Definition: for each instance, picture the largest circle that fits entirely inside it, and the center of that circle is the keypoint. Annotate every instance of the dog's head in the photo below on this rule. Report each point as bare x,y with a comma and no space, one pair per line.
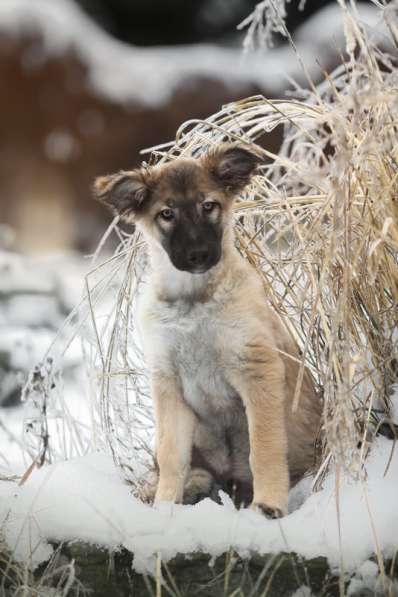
184,205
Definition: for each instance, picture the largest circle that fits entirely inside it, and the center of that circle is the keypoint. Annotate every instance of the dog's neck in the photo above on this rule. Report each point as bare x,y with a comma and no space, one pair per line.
171,284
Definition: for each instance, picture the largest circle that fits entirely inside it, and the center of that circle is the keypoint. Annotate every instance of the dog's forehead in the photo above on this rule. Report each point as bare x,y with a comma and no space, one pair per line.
183,178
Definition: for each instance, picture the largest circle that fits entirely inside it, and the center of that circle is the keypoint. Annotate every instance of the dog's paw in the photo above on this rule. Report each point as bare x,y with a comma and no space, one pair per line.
267,511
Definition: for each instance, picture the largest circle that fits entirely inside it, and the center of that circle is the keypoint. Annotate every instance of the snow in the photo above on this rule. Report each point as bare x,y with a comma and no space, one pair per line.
17,276
302,592
124,73
368,579
58,275
35,295
24,349
102,511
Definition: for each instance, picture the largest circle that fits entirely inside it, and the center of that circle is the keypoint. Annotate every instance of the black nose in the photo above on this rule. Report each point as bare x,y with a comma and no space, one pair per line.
197,257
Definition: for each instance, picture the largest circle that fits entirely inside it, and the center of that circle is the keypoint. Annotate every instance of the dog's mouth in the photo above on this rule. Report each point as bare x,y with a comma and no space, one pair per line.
199,270
196,261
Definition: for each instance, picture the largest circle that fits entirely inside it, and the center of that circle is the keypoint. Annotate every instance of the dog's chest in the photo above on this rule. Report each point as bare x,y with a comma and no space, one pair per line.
198,346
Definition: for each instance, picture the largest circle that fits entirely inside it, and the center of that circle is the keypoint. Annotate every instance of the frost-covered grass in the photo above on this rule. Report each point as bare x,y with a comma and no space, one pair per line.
57,579
320,226
36,293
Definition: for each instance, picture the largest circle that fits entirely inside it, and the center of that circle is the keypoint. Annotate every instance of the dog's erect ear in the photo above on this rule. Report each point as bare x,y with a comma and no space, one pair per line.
232,166
125,193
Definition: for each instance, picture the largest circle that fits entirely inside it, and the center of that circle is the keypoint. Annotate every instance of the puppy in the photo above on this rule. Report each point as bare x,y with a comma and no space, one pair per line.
223,369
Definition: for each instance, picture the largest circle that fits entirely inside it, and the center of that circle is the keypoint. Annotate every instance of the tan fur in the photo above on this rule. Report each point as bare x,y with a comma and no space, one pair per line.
174,436
212,343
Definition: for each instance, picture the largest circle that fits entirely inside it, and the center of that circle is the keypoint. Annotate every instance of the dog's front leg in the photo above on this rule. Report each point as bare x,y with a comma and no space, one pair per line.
261,385
175,423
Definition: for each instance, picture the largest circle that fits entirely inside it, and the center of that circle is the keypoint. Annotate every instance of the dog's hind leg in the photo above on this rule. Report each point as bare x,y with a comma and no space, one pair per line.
198,485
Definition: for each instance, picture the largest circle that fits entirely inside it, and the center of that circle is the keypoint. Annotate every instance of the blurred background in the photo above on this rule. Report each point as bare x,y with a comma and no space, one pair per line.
88,84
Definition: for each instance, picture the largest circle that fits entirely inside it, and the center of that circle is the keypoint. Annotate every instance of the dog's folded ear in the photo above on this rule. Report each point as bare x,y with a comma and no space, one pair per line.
232,165
125,193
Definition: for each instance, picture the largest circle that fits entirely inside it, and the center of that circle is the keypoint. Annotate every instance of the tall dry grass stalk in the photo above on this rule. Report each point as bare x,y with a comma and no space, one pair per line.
320,225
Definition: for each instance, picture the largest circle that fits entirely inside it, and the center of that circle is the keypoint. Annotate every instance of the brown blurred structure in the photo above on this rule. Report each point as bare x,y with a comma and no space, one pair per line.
57,134
63,121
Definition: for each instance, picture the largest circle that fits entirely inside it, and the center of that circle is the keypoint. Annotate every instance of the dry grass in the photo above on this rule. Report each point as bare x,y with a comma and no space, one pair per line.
320,226
57,577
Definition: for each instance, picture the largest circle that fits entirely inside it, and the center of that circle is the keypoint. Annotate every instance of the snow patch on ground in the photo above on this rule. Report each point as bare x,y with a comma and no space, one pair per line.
150,76
35,295
302,592
368,581
101,509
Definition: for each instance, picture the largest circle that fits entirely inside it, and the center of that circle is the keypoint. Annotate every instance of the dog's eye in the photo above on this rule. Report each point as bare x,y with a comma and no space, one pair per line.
208,206
167,214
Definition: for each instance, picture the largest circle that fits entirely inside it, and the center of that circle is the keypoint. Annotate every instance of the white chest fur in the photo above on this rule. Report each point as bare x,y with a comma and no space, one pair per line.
195,341
193,327
190,340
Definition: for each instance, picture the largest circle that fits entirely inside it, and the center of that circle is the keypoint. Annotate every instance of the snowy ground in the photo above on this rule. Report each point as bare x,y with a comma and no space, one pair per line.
101,510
